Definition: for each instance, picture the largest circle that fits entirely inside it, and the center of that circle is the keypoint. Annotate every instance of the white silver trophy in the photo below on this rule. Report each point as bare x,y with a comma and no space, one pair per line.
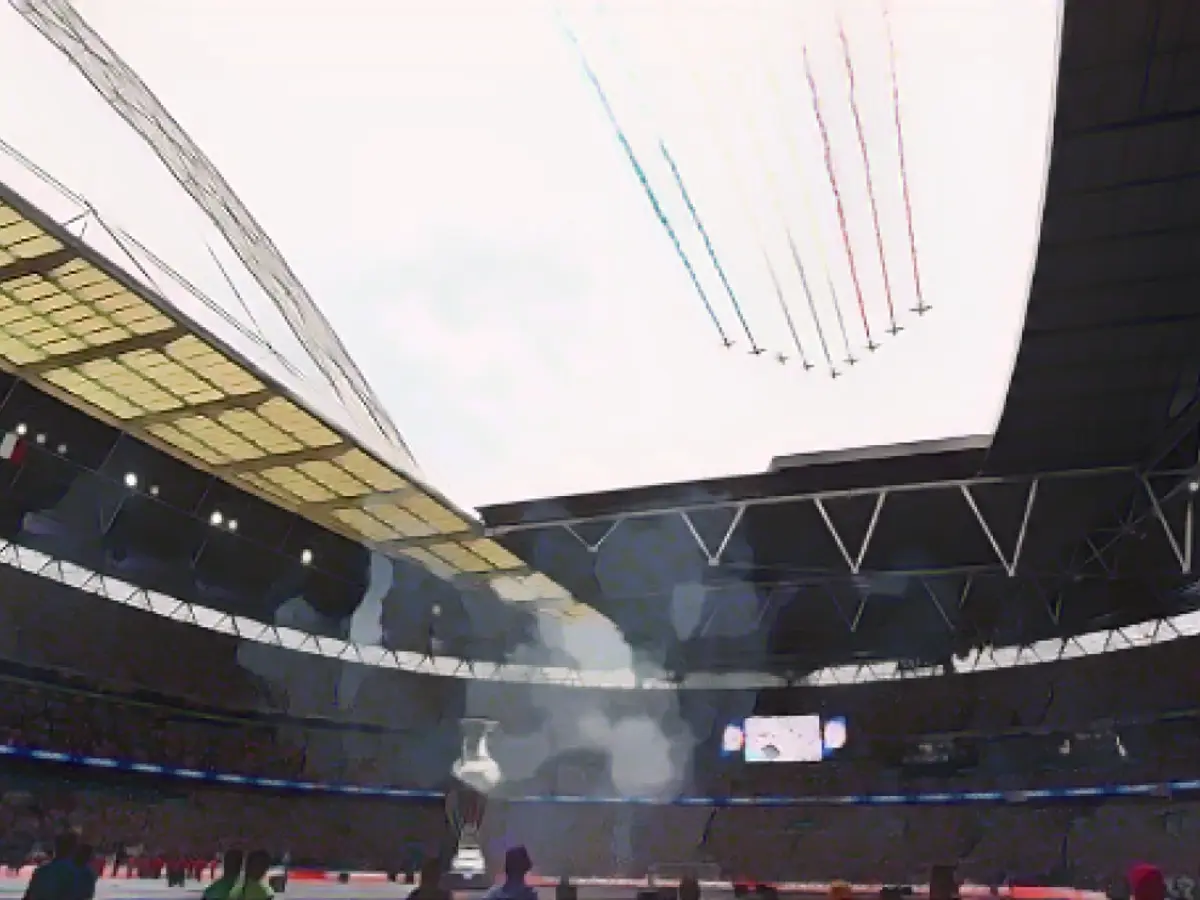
476,775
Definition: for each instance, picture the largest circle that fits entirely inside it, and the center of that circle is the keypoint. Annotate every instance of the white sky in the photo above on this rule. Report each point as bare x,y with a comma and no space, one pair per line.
443,179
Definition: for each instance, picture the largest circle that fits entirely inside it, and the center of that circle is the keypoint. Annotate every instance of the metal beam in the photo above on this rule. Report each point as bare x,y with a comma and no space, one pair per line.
1183,554
1010,563
667,509
713,556
854,562
428,540
362,501
153,341
592,547
37,265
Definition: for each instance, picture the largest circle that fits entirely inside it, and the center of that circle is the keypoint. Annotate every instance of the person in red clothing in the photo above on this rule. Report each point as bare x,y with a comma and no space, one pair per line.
1146,882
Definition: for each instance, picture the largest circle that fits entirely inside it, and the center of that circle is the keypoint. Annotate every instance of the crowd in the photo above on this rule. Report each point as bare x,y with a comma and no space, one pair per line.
68,716
74,868
86,691
99,724
141,829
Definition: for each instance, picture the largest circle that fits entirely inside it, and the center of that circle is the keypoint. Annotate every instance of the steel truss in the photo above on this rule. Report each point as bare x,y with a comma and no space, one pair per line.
853,548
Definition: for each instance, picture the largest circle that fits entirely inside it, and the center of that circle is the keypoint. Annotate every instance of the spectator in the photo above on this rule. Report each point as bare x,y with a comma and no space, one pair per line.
254,886
61,878
430,887
517,865
1147,883
231,871
84,857
689,888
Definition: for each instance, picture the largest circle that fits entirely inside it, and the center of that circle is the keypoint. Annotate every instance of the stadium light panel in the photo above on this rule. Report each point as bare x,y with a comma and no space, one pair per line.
61,449
22,429
233,525
86,333
40,438
306,557
216,518
131,480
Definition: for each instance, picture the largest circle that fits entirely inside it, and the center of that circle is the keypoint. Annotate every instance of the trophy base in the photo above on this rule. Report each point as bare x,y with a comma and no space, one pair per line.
468,870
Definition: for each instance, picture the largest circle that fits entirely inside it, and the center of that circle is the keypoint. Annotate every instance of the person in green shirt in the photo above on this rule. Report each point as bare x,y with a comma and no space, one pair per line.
254,886
231,871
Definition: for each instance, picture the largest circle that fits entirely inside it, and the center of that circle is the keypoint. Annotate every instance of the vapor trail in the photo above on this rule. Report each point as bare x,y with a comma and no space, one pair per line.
866,158
921,308
623,140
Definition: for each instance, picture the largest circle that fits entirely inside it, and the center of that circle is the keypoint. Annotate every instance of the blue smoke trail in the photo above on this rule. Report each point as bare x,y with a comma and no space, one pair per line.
641,175
708,244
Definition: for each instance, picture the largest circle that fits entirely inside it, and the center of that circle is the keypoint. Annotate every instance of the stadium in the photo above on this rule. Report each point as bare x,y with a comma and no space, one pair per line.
236,614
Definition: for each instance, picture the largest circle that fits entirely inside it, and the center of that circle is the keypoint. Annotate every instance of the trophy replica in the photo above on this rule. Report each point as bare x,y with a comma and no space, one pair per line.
476,774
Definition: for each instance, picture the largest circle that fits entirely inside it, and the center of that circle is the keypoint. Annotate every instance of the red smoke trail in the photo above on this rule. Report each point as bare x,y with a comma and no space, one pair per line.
862,146
837,196
921,308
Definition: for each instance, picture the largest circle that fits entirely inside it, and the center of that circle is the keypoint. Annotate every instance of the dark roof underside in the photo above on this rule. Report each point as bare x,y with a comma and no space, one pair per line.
1112,335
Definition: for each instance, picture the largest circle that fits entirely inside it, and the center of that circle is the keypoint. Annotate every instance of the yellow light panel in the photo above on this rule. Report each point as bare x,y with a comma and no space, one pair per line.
405,524
296,483
89,391
364,468
334,478
434,564
24,240
303,427
259,431
494,554
370,528
181,440
460,558
230,378
434,513
178,381
77,308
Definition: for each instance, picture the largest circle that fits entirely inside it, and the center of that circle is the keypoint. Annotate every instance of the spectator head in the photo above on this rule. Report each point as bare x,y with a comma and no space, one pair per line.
258,863
231,863
1147,883
431,872
689,888
840,890
65,844
84,853
517,863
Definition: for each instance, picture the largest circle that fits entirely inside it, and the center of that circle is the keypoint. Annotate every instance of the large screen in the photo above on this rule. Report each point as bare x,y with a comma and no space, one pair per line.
786,739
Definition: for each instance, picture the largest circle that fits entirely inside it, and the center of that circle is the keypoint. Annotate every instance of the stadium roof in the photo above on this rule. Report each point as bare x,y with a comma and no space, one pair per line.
1108,354
1079,512
76,326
